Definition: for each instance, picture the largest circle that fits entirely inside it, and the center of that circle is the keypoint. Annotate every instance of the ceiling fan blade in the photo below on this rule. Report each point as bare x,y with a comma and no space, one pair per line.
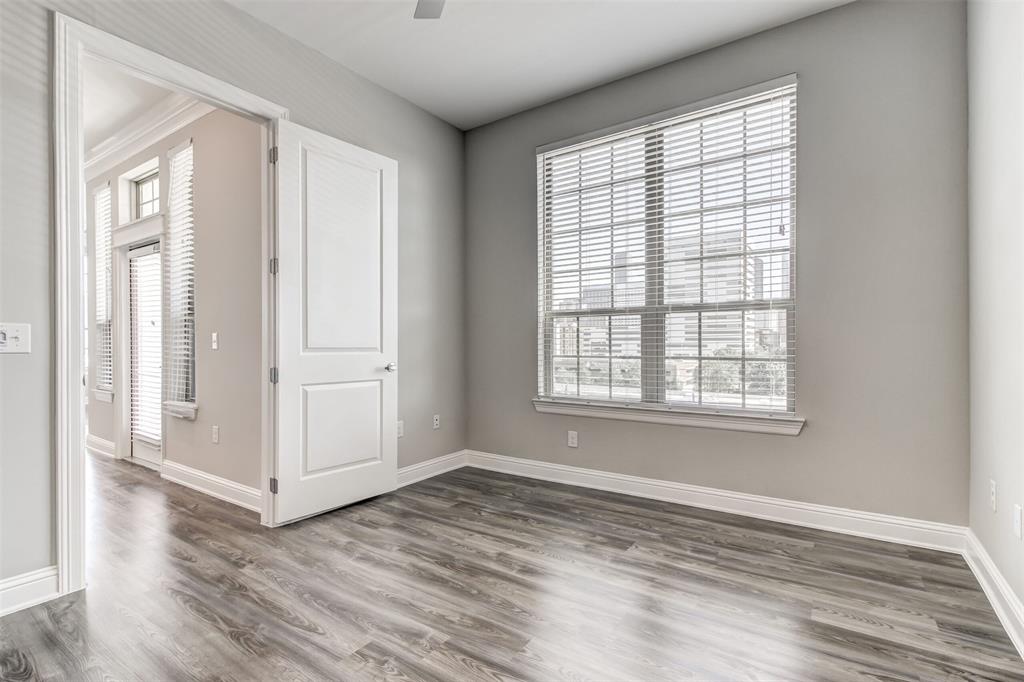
428,9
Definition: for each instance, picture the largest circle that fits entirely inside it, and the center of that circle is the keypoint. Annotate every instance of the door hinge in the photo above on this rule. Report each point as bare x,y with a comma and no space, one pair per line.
273,266
272,153
273,486
273,375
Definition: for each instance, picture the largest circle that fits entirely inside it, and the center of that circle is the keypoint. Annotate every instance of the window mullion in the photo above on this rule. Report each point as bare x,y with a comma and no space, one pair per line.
652,324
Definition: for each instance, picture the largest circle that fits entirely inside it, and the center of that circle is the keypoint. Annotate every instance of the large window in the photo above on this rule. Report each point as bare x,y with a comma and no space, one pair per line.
179,268
666,261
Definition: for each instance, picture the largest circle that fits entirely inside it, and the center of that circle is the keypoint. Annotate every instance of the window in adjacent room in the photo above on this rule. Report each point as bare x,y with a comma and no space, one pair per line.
147,195
666,261
179,268
102,218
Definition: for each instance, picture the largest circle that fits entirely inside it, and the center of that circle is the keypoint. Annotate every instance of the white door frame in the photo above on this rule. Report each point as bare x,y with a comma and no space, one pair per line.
72,41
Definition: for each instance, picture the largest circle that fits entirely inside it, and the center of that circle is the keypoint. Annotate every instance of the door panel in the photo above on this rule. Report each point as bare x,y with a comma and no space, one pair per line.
337,223
341,192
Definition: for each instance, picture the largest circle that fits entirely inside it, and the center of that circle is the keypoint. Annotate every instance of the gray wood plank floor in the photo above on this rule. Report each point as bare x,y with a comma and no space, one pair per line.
475,575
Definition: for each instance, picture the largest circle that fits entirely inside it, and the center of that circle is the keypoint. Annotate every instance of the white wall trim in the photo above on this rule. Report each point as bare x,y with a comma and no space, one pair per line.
166,117
782,425
432,467
214,486
1007,605
99,446
28,589
927,534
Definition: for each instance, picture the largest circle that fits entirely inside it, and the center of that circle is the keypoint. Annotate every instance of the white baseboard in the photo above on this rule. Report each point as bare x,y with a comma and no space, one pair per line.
431,467
1007,605
215,486
99,446
28,589
927,534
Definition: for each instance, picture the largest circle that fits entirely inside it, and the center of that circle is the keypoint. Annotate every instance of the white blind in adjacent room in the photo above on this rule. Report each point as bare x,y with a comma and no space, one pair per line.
179,269
104,281
666,260
146,345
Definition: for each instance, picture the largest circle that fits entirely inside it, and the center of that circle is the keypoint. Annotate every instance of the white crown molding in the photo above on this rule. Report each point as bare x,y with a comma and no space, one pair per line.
166,117
28,589
214,486
1007,605
99,446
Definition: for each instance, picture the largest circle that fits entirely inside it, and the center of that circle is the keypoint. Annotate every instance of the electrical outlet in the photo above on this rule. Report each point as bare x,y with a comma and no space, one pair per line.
992,495
214,342
215,434
437,421
1018,520
573,439
401,428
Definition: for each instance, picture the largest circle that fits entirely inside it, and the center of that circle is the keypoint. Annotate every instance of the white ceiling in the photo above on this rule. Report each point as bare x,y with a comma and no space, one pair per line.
112,99
486,59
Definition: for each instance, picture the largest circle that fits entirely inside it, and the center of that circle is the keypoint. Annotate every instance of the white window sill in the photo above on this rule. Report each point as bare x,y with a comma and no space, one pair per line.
786,425
102,395
181,410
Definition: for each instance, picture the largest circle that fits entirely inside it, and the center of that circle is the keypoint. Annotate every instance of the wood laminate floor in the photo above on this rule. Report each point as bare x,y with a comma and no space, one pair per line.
475,575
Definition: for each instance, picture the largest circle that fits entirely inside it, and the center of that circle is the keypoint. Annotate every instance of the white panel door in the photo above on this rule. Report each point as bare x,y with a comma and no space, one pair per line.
337,309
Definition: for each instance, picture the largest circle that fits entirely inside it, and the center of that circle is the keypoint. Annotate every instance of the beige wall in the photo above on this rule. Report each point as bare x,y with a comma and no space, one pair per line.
228,273
996,73
881,269
227,44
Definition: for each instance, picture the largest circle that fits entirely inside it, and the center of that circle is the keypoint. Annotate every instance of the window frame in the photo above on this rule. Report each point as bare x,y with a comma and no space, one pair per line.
653,406
150,178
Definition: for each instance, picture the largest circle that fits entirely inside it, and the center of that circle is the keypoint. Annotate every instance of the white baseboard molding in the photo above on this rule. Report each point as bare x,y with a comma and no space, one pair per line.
430,468
99,446
28,589
1007,605
927,534
214,486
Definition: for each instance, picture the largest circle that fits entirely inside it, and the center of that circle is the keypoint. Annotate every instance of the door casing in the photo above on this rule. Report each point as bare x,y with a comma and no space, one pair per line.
72,42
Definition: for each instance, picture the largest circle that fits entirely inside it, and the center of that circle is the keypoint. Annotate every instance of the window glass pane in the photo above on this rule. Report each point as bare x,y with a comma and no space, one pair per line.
594,336
722,334
564,379
682,332
766,385
626,380
594,378
681,381
765,333
723,280
720,382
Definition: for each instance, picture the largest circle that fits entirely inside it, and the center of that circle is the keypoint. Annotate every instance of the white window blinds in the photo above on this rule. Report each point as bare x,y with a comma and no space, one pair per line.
179,269
666,261
146,343
104,376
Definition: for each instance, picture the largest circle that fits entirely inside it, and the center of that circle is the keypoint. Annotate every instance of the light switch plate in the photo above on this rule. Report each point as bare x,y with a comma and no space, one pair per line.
1018,521
214,341
15,337
401,428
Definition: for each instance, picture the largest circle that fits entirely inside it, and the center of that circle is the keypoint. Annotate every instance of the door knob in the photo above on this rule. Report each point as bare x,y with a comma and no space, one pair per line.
390,367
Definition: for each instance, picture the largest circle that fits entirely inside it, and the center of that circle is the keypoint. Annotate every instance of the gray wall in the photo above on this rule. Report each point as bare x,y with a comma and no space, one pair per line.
881,283
228,271
995,64
230,45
